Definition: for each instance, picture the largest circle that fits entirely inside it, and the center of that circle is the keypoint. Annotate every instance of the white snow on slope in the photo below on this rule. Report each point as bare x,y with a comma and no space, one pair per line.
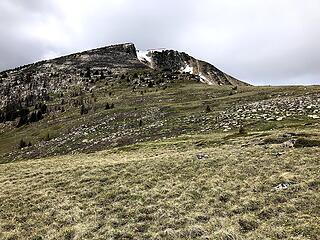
204,79
144,56
188,69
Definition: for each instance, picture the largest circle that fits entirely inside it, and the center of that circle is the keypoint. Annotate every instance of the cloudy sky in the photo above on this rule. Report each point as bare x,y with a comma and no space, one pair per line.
259,41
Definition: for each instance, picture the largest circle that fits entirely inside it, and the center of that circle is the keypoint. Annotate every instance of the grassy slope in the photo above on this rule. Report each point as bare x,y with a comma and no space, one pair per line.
177,110
158,189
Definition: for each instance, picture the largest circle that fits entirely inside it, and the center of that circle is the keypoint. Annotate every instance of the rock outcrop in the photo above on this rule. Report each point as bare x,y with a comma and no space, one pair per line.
163,59
26,85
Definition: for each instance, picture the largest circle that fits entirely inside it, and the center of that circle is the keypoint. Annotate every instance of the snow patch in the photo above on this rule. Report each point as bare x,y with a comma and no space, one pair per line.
144,56
204,79
187,69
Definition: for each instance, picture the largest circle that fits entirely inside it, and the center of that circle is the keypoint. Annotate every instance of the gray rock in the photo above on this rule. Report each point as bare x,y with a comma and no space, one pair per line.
202,156
282,186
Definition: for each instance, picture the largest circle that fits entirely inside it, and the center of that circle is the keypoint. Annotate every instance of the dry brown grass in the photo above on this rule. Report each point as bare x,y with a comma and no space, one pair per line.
160,190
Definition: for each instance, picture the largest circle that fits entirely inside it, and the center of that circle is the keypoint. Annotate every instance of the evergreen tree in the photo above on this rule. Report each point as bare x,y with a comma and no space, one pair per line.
22,144
33,117
24,117
83,110
88,73
102,75
39,115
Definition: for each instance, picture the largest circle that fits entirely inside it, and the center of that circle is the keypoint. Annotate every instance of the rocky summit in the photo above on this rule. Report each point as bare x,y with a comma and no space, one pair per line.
35,81
163,59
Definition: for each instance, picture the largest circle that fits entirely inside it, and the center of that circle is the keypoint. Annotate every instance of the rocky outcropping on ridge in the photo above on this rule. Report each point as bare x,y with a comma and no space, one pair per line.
163,59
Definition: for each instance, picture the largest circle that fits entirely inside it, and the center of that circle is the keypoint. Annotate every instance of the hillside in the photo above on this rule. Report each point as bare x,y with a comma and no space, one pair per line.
36,82
133,151
85,84
163,59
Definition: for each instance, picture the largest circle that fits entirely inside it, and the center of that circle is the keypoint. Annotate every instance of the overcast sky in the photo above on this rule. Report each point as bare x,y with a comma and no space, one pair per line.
259,41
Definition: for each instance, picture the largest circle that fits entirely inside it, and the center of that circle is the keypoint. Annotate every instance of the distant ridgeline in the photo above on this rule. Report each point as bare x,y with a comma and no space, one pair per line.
25,91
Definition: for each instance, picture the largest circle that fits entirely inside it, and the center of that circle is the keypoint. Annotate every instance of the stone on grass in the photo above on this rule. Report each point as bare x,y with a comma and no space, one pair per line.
282,186
202,156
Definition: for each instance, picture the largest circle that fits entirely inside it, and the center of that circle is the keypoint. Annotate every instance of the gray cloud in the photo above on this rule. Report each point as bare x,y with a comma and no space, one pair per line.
262,42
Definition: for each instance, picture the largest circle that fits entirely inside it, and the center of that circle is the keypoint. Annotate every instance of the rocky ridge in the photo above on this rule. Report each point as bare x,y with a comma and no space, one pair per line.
163,59
35,82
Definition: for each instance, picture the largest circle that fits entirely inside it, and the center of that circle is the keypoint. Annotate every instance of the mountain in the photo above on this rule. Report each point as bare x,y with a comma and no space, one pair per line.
122,58
115,143
162,59
36,81
26,85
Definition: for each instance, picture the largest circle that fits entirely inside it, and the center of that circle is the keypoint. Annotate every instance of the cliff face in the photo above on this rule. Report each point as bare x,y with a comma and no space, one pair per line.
34,82
182,62
119,58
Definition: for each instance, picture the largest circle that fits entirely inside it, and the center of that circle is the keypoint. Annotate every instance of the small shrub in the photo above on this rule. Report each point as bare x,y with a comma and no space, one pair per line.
33,117
247,224
39,115
37,238
102,75
242,130
5,75
43,107
225,197
88,73
304,142
23,144
47,137
83,110
24,117
22,121
208,109
273,140
68,234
